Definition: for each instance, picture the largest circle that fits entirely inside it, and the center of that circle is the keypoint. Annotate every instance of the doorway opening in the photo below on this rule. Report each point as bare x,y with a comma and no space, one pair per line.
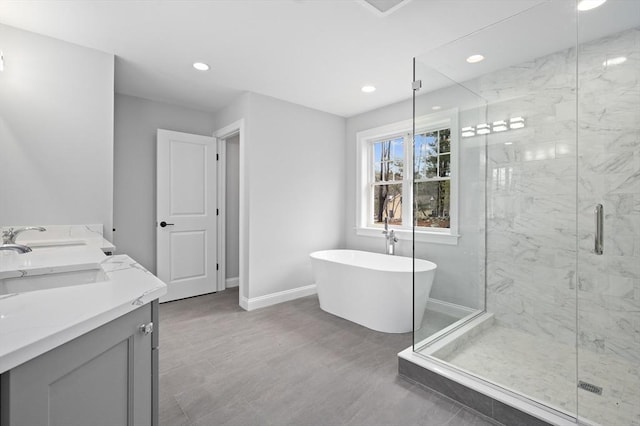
233,218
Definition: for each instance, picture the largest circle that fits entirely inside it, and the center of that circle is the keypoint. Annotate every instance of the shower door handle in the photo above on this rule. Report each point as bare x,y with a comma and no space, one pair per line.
599,246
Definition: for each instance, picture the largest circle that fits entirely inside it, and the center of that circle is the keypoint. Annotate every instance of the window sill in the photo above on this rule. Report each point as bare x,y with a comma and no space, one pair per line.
407,234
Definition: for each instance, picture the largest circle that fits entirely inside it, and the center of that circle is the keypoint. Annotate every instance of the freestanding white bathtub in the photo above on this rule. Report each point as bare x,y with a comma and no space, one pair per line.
373,289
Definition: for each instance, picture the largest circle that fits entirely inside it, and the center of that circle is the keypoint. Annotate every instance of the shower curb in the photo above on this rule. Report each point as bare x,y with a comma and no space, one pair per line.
484,404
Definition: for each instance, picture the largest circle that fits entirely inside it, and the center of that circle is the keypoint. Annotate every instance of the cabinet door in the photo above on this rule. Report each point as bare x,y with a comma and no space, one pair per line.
100,378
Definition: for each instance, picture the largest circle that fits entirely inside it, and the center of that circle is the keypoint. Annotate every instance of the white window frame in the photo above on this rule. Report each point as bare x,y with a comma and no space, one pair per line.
364,158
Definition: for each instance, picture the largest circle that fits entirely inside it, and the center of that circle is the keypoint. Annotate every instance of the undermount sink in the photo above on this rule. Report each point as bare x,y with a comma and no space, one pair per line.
52,280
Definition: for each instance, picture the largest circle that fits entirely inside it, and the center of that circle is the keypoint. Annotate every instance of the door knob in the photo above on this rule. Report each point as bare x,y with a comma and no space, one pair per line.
163,224
146,329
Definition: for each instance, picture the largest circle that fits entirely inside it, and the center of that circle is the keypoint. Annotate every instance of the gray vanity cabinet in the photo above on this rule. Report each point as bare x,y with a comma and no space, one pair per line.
101,378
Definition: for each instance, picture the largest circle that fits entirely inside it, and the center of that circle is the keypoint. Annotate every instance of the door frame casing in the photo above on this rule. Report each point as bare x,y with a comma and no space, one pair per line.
221,163
235,128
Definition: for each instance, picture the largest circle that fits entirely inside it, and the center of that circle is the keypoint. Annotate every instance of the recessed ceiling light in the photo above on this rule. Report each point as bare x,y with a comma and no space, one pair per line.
614,61
436,107
584,5
368,89
475,58
201,66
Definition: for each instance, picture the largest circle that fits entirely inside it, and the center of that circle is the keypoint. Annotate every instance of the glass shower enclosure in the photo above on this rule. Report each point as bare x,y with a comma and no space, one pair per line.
539,294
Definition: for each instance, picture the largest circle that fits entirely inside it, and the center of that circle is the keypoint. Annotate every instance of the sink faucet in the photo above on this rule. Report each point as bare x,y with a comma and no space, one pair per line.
9,236
390,237
16,247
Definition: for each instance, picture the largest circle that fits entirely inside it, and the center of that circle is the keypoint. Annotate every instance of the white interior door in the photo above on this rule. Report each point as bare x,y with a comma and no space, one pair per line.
186,214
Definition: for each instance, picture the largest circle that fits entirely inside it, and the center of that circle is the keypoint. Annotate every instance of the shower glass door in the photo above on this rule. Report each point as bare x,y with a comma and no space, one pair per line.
517,205
537,289
608,161
448,198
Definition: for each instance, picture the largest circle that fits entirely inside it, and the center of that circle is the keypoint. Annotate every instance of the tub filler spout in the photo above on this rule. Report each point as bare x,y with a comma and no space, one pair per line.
390,238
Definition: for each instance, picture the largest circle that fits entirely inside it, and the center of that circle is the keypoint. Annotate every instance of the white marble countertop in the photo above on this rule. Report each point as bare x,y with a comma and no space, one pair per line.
65,236
97,241
35,322
49,259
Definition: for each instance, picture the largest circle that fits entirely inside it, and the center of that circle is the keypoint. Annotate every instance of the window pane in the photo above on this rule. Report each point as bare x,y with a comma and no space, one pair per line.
445,165
425,155
426,167
388,171
395,170
445,140
388,160
382,151
377,152
387,202
431,204
386,150
397,147
380,166
426,144
432,141
377,171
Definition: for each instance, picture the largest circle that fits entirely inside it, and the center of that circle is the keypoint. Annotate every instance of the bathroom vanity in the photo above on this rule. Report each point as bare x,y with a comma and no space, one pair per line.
78,338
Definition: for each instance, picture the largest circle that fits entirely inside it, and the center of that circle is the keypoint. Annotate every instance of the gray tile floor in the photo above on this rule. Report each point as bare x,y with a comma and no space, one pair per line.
289,364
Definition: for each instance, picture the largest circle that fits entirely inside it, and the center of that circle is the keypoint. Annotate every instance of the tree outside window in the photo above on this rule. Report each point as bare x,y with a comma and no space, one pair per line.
388,159
432,179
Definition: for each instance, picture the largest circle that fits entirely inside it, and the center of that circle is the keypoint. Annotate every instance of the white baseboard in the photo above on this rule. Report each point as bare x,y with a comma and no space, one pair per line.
275,298
451,309
232,282
244,303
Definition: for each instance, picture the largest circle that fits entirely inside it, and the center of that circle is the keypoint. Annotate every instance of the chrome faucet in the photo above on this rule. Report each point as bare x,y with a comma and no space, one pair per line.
16,247
390,237
9,236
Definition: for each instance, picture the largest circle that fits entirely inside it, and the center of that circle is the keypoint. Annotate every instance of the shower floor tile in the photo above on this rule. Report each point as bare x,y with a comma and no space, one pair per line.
545,371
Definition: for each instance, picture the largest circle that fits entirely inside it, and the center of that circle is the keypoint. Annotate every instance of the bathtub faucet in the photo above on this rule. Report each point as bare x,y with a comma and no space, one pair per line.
390,238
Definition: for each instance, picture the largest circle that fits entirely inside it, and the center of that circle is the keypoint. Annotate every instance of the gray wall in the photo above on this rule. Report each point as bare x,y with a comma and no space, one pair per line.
236,110
297,178
56,132
136,123
294,189
232,202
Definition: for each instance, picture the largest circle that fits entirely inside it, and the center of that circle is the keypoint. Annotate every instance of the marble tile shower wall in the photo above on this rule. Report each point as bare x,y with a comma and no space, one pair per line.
609,173
531,197
533,268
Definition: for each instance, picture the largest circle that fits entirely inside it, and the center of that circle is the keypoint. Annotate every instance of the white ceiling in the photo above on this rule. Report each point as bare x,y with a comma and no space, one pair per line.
316,53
